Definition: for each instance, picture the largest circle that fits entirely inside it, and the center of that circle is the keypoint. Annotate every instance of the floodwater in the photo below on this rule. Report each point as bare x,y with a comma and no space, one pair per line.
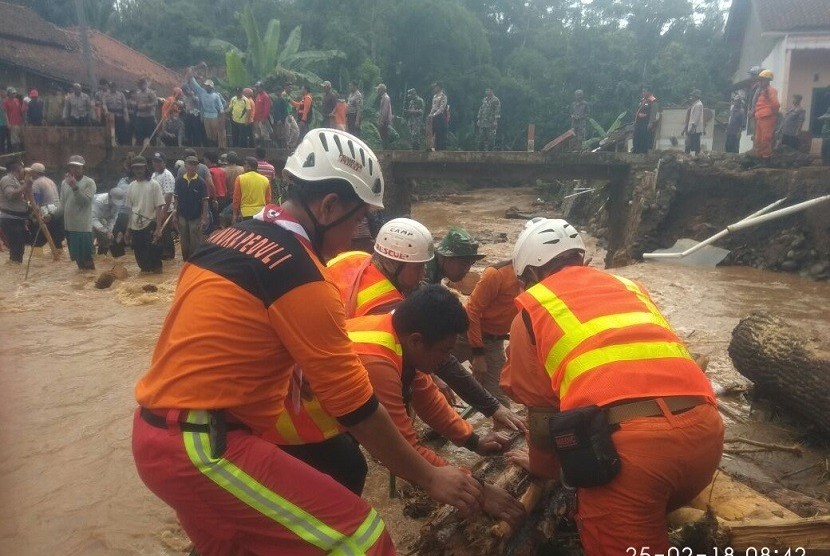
70,356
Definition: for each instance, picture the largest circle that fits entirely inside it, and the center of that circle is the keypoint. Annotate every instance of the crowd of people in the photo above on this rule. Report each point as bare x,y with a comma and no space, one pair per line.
154,202
196,114
755,110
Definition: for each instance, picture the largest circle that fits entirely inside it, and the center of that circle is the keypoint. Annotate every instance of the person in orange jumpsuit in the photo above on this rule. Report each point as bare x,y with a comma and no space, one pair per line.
491,309
614,397
251,304
766,116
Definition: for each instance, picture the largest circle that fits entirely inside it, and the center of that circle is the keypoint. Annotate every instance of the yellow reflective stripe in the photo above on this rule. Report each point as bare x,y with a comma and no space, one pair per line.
574,338
374,291
574,332
325,422
251,492
345,255
286,428
384,339
645,299
639,351
369,531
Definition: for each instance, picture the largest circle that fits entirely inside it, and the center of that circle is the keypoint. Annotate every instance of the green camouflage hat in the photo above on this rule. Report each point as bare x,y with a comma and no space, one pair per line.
459,243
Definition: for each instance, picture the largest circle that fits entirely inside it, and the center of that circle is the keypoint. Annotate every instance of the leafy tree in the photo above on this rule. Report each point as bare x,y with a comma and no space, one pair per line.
264,56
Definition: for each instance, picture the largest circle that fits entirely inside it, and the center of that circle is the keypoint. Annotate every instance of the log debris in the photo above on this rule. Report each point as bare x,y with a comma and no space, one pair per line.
787,366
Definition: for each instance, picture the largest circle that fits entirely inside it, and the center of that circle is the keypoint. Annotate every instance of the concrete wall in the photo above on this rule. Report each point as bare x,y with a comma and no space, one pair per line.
755,47
672,123
809,70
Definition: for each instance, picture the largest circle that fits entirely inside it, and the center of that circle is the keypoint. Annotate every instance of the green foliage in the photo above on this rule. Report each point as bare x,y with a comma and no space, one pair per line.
237,73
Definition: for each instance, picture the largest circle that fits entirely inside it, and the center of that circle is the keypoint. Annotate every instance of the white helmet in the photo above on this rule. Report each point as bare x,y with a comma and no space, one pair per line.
326,154
405,240
542,240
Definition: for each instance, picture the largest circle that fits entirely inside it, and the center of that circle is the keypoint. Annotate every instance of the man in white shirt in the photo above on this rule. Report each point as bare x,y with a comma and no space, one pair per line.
104,213
147,217
694,123
167,181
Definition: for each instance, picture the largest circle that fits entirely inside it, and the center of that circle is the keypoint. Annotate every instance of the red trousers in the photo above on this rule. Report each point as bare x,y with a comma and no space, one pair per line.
764,136
666,462
255,499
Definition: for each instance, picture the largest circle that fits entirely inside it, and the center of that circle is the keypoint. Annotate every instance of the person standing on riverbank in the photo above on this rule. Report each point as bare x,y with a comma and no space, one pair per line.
438,116
694,123
646,118
77,191
737,121
793,120
766,115
825,137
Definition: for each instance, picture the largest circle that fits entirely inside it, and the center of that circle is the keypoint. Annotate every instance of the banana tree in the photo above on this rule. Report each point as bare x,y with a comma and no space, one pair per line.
265,56
605,135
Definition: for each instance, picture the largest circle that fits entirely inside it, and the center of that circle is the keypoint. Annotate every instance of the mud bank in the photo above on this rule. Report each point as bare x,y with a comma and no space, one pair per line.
687,197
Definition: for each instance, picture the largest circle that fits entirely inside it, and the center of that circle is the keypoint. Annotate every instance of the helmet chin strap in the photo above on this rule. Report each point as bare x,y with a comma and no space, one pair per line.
321,229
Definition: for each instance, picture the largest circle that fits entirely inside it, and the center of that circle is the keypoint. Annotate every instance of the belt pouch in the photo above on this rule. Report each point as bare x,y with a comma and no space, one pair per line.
583,443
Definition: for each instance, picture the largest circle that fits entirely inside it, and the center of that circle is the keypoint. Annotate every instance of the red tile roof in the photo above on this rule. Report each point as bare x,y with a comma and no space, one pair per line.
793,15
29,42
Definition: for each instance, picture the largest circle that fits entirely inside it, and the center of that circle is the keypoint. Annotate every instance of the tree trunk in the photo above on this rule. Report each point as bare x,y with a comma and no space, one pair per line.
787,366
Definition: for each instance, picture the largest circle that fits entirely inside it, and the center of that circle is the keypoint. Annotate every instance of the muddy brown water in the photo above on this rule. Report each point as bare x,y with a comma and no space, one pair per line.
70,356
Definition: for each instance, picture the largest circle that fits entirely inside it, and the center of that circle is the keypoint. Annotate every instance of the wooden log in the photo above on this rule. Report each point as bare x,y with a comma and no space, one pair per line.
559,141
787,366
811,533
735,501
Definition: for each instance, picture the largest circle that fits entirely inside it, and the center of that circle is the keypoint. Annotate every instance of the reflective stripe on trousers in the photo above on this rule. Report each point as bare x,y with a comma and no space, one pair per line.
270,504
576,332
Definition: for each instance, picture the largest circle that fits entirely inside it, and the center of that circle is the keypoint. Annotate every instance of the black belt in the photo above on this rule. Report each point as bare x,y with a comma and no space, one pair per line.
161,423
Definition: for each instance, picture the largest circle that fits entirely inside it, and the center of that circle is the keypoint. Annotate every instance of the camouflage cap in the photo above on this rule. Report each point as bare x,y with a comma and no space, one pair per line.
459,243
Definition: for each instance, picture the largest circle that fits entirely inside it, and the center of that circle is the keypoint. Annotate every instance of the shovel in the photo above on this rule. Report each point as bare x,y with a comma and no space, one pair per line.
689,252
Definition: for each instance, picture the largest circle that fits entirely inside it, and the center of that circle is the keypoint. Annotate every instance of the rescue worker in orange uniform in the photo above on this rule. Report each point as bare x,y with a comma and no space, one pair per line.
614,397
252,303
371,284
766,115
491,309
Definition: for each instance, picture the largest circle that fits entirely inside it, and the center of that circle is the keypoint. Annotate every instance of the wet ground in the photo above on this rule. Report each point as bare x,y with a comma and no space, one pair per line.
70,356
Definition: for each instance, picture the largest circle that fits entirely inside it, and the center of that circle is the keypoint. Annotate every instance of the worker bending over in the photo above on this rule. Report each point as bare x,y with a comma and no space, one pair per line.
419,335
251,304
613,394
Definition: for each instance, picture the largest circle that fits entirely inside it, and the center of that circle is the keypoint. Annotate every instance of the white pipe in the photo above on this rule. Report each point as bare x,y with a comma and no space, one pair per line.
777,214
764,210
753,219
578,193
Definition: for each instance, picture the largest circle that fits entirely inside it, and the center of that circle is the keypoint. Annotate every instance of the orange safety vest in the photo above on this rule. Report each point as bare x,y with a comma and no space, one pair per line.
370,335
363,287
602,340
